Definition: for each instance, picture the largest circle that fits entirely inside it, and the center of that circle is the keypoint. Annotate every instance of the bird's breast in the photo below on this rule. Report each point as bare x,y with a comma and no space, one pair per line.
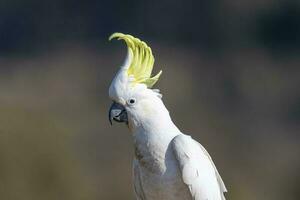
160,176
152,159
158,168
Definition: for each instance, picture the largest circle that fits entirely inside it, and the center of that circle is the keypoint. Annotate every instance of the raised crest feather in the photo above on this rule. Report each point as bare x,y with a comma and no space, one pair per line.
140,60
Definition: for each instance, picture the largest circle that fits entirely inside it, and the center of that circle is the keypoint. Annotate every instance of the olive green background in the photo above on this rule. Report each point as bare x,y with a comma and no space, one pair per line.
230,79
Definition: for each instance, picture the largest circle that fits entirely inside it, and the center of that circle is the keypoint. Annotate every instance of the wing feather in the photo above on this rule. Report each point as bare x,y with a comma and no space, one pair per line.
198,170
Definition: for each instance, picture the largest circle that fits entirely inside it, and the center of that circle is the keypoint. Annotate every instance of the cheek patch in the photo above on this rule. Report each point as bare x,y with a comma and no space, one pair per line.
146,108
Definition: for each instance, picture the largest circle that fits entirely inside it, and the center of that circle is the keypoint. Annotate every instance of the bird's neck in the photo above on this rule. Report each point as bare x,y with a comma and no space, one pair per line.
155,134
152,139
161,125
157,122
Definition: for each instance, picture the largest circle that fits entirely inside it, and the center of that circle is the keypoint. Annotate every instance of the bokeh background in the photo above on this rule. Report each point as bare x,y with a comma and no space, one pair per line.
231,78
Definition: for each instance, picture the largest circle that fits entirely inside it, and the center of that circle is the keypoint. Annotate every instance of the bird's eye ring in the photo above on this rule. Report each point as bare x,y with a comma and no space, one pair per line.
131,101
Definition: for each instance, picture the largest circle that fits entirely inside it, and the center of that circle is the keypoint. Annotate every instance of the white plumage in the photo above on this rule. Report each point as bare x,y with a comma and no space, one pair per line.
168,165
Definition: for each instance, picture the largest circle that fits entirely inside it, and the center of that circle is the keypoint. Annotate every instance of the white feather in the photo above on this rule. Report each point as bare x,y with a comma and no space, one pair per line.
198,170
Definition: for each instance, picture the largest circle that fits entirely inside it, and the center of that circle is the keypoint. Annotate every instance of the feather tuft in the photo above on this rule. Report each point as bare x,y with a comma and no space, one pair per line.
140,60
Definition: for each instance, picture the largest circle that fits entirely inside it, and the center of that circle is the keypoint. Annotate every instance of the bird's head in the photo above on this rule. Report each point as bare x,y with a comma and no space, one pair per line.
133,99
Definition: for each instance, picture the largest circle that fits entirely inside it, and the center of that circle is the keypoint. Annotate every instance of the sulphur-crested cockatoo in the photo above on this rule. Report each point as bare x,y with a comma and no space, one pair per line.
167,165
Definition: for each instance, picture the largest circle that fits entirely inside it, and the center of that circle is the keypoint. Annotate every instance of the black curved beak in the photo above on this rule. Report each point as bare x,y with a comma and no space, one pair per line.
118,113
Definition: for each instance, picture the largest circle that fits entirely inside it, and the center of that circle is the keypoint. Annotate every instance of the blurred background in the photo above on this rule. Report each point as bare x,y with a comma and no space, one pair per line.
231,78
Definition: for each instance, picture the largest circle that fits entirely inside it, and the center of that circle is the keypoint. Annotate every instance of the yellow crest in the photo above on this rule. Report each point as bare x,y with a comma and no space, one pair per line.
141,59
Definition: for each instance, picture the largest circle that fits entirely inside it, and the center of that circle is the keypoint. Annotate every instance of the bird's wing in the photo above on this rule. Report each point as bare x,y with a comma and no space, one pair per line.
137,183
198,170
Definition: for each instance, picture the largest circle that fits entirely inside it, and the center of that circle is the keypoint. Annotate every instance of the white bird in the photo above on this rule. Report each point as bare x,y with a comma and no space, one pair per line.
167,165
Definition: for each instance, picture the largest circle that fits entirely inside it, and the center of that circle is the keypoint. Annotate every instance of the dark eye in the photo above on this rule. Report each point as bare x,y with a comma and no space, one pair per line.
131,101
